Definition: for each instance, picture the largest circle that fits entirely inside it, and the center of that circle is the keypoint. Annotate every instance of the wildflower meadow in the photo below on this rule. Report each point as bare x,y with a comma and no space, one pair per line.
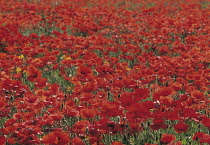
104,72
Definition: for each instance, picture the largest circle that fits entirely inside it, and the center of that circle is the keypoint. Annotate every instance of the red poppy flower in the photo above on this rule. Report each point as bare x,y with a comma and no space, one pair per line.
54,67
158,123
31,98
46,119
87,113
94,131
104,69
2,140
205,139
57,116
3,104
41,82
113,127
33,73
198,77
55,52
27,137
56,138
40,94
80,62
168,100
173,115
206,121
197,136
38,62
188,112
118,83
167,138
177,86
50,139
9,122
197,94
204,88
71,111
141,94
162,72
84,70
11,140
190,77
86,96
164,91
148,71
129,83
17,115
127,99
81,125
95,140
111,109
54,88
33,35
181,127
10,85
138,111
90,86
77,141
17,75
52,58
184,97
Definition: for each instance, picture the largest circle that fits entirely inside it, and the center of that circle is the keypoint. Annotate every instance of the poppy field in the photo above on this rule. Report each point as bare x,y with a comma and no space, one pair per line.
101,72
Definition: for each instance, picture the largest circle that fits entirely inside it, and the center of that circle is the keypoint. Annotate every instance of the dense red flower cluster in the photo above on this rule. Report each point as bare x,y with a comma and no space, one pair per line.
74,72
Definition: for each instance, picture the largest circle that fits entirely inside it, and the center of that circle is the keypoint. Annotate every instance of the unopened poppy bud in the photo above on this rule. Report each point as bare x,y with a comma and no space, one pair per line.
118,118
